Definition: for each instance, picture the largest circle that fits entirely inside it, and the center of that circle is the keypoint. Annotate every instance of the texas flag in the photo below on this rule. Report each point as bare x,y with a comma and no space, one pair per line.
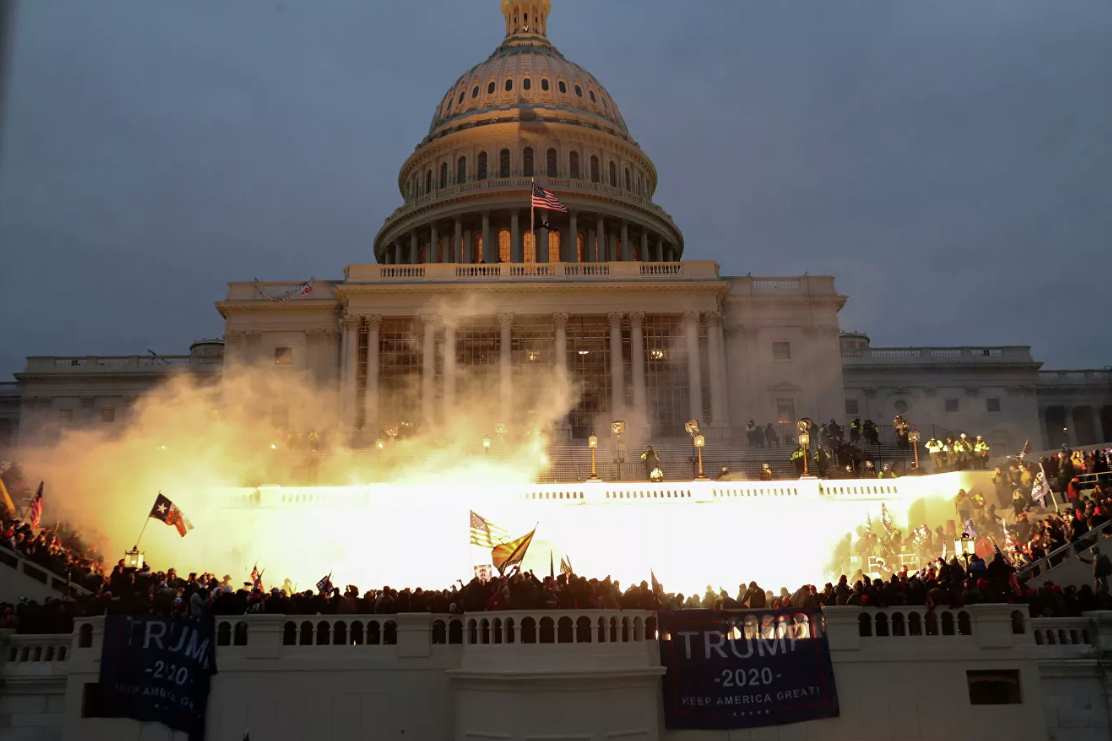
169,513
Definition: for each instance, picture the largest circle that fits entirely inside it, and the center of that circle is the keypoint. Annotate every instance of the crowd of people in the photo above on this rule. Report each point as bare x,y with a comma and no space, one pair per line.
947,579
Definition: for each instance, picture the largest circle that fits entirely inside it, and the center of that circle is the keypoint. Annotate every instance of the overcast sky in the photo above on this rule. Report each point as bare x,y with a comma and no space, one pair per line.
948,161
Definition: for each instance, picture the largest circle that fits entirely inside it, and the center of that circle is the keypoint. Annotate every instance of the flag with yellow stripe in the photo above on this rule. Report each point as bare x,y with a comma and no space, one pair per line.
505,555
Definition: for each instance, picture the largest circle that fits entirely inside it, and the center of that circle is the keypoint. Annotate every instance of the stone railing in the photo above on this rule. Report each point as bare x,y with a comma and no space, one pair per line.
36,655
145,364
1098,378
806,285
458,272
10,559
1064,632
915,355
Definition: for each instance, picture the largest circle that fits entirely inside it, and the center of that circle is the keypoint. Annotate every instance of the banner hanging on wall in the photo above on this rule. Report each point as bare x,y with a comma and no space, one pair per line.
745,668
158,669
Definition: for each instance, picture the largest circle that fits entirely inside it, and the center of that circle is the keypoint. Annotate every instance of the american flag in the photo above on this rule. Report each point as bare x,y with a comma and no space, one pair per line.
168,512
1040,488
36,507
544,199
485,534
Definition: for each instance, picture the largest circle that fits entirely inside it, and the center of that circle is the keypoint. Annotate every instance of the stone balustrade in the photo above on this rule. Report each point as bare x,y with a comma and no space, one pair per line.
140,364
934,355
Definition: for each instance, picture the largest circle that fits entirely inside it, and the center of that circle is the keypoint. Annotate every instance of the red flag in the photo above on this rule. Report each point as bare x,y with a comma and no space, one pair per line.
36,508
505,555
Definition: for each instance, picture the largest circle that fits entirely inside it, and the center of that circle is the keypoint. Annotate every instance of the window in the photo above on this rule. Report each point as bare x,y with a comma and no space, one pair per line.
851,407
91,705
781,351
544,84
785,411
594,169
461,170
993,687
527,162
108,414
504,254
992,405
952,406
443,174
504,163
579,247
65,415
461,92
526,84
573,162
592,94
613,176
530,247
477,252
490,88
900,407
578,91
482,165
475,92
629,182
563,87
550,163
509,85
554,242
283,356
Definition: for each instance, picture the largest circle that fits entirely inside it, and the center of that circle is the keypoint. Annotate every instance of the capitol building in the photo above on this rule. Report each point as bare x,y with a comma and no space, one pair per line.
468,288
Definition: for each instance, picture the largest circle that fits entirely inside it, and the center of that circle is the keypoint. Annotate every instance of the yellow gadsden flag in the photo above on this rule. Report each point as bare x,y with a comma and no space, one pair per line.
6,500
505,555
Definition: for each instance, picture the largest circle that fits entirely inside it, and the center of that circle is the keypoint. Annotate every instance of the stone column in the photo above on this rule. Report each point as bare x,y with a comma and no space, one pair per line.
399,258
719,406
505,364
560,363
434,244
694,376
589,254
571,247
457,247
617,366
351,366
414,248
645,257
467,253
637,359
542,246
486,240
600,231
428,372
449,370
627,248
370,395
517,246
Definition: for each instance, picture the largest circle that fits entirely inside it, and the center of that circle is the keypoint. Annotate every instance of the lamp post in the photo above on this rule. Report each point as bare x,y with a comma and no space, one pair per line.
692,428
133,559
913,438
592,443
618,427
486,445
804,426
700,441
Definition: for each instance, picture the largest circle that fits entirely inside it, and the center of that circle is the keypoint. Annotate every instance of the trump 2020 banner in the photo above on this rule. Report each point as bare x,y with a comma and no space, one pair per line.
745,668
158,669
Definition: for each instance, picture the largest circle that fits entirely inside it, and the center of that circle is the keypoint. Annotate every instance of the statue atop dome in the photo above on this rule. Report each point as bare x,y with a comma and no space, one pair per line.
526,17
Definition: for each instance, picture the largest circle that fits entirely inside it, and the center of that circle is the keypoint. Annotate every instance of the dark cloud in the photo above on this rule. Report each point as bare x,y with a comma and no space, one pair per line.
947,161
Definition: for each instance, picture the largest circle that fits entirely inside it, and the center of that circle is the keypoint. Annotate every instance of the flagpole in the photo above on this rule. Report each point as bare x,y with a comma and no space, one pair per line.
532,227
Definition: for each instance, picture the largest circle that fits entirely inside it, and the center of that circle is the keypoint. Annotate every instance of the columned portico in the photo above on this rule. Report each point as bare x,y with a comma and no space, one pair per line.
637,359
560,325
370,392
617,374
505,325
351,364
694,376
428,370
720,414
449,369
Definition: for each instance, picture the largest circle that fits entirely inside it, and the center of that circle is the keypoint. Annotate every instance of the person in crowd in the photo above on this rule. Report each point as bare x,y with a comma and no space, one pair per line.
652,461
754,435
770,436
980,454
934,447
766,472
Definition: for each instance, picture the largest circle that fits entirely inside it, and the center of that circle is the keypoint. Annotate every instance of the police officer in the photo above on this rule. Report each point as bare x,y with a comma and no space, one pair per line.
855,430
797,460
949,454
980,454
756,440
934,447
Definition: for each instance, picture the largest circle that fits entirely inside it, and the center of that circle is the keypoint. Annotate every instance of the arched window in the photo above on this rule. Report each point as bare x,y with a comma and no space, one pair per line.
461,170
443,174
482,165
592,94
563,87
573,162
544,84
490,88
579,246
550,163
554,246
477,251
530,248
613,176
578,91
428,181
504,163
526,84
527,162
509,85
504,254
475,92
629,181
461,92
594,169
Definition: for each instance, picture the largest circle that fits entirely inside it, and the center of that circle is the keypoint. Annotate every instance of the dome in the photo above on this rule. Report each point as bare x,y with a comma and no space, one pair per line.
527,76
